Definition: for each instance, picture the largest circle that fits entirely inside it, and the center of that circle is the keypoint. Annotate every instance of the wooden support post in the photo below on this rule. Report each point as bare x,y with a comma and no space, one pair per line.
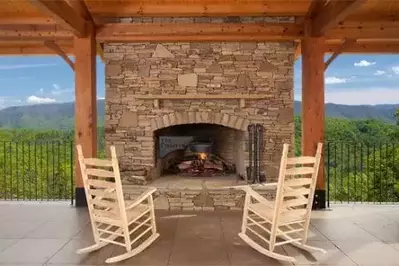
85,105
313,106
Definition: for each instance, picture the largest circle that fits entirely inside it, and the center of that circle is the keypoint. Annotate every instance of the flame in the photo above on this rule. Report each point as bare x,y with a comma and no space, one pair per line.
202,155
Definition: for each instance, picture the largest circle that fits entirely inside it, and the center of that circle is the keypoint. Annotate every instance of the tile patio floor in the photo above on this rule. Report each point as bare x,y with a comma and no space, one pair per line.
49,233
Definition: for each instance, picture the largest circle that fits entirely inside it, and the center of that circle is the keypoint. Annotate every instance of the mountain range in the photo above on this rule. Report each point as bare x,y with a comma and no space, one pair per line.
60,116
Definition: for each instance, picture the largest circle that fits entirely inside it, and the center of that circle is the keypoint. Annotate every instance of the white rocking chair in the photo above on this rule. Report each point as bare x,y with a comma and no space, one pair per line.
130,224
285,220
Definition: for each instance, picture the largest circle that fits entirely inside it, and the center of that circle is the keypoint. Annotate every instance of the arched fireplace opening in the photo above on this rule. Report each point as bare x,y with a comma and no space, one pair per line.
200,150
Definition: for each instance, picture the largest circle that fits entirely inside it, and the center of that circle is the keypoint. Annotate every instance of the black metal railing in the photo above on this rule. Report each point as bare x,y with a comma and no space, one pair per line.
354,172
37,170
362,173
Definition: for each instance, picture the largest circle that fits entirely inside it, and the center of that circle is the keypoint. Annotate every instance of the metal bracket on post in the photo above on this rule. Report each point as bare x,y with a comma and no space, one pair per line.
319,201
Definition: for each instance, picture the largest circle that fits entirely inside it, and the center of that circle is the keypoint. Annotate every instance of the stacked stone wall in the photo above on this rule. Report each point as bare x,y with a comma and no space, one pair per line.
211,68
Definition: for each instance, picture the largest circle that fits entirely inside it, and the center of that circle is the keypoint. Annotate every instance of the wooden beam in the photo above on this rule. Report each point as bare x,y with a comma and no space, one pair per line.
200,8
58,50
198,32
63,14
369,32
339,51
366,47
31,50
80,7
34,32
332,13
313,105
315,7
27,21
85,105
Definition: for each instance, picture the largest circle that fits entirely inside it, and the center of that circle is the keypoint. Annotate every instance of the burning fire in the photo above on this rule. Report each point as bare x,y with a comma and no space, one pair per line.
202,155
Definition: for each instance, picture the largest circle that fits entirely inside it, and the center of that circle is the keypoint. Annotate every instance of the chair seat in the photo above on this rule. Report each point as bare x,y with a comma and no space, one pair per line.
111,216
289,216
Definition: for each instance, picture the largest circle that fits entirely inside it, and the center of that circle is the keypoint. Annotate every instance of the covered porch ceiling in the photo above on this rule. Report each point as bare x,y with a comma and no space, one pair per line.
27,27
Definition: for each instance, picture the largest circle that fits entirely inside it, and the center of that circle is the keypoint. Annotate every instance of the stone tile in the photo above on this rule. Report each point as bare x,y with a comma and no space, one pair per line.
199,252
32,250
85,233
369,253
24,264
386,230
67,254
156,254
59,229
192,228
342,230
241,254
5,243
17,229
334,256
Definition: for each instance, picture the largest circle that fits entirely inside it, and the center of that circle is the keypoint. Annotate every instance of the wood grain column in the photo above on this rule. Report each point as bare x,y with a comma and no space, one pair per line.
313,106
85,106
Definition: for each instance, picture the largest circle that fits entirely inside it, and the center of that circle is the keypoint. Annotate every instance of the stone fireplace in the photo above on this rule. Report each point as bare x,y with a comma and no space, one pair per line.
159,91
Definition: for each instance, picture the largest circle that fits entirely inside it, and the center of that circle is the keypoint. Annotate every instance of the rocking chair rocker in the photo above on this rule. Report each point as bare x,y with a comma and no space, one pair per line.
286,220
130,224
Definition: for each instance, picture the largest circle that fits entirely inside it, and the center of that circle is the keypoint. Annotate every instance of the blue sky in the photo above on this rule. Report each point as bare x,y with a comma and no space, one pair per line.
350,79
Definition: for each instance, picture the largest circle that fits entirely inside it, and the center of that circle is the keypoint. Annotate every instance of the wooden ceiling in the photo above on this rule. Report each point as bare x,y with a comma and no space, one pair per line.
25,25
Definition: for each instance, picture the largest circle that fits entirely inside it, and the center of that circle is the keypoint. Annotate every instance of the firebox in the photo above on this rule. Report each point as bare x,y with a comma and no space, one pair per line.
200,150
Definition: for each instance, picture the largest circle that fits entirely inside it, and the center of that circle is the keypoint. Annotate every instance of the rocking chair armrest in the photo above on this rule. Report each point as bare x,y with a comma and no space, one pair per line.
258,197
268,184
252,185
142,197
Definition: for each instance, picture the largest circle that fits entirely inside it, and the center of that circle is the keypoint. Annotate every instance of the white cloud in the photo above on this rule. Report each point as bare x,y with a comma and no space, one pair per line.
379,72
41,91
335,80
363,96
364,63
11,67
38,100
100,98
395,70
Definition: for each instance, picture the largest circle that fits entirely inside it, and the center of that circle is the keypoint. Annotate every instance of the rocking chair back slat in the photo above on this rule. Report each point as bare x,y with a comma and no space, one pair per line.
298,182
99,172
296,192
299,171
95,183
97,162
301,160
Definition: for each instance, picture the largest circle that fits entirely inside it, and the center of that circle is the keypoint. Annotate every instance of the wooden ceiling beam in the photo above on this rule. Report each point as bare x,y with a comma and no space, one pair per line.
361,47
331,14
31,50
340,50
33,32
198,32
197,8
58,50
26,21
342,32
64,15
81,8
